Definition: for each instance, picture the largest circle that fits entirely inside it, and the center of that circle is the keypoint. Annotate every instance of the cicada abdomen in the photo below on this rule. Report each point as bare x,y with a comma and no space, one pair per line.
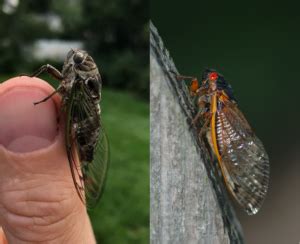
80,89
241,155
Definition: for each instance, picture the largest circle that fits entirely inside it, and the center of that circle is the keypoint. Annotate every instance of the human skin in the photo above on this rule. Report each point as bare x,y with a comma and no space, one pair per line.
38,200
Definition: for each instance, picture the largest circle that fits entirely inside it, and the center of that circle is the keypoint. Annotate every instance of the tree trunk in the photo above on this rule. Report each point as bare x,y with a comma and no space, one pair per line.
189,203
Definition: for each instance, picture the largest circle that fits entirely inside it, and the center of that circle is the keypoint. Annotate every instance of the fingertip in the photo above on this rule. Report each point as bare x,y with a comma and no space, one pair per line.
26,127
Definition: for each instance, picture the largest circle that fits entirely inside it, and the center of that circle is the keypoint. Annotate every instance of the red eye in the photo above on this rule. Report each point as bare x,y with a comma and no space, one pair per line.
213,76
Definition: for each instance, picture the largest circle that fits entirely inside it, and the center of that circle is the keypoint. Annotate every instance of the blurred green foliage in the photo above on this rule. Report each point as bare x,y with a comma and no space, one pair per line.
118,31
17,31
123,213
114,32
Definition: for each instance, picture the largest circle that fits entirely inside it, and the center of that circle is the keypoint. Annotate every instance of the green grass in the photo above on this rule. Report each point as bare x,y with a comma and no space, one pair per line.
122,216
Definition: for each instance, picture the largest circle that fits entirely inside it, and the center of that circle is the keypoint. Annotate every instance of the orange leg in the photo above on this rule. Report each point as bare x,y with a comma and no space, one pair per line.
194,85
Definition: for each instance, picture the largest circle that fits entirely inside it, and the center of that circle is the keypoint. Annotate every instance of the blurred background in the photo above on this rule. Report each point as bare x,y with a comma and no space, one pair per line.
115,33
256,46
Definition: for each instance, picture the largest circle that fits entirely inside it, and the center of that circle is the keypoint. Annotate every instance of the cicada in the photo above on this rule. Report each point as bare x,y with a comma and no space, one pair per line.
85,138
241,155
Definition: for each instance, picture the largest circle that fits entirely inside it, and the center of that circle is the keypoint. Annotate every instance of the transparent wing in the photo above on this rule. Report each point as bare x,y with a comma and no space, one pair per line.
90,174
95,172
244,161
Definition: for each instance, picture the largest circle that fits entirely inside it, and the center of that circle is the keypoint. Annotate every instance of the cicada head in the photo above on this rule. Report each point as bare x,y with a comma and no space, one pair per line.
80,60
215,81
80,64
209,79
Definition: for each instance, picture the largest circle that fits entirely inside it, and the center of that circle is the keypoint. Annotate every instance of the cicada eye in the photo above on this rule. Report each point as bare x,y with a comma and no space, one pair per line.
78,57
213,76
70,54
93,85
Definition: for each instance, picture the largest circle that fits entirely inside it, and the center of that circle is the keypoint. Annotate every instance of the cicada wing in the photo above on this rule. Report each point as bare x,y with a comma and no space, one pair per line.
243,159
95,172
71,107
91,174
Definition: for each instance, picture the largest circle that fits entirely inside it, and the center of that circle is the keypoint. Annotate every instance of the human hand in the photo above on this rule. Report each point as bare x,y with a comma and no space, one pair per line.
38,200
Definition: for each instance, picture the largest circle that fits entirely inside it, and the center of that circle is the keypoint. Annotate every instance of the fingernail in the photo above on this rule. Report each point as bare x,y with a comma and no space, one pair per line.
25,127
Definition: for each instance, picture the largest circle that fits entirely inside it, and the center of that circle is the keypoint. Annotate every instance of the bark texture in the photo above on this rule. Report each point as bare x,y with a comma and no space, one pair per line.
189,203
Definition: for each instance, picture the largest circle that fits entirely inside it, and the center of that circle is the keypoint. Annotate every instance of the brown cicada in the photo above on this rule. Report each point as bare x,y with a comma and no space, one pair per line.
80,89
241,155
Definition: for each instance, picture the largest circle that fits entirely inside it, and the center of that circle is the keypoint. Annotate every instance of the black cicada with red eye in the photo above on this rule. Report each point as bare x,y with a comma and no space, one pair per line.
241,155
80,89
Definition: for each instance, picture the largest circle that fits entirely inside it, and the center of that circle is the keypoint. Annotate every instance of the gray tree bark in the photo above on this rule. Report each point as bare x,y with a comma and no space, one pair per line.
189,203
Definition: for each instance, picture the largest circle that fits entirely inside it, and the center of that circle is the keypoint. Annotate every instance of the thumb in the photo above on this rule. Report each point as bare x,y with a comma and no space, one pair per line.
25,127
38,201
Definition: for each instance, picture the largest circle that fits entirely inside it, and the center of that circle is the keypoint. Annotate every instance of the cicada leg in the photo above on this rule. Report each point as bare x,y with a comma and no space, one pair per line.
205,128
194,81
202,106
50,70
205,135
46,98
194,85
